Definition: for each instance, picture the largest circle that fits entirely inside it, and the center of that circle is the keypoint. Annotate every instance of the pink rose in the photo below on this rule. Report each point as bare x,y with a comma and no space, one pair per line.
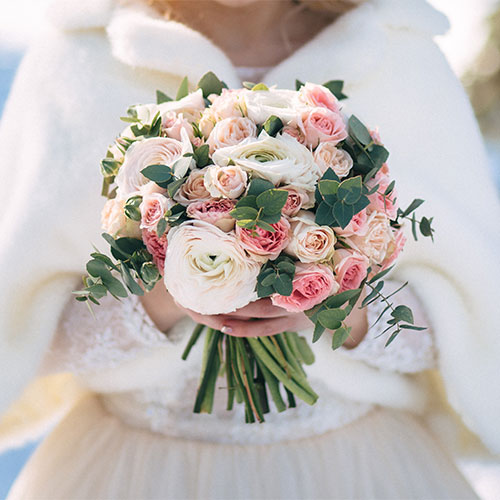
296,199
263,244
153,208
357,225
321,124
172,124
193,189
312,284
295,132
319,97
386,204
229,103
394,248
376,136
350,269
225,182
213,211
157,247
231,131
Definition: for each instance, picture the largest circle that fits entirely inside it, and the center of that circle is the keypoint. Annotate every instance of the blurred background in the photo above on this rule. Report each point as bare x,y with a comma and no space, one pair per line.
473,48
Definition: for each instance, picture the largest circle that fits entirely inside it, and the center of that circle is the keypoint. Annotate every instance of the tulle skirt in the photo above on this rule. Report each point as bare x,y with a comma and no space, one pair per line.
93,455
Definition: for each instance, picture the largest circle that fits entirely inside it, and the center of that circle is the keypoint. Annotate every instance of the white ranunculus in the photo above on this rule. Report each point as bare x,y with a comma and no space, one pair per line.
153,151
190,106
310,242
206,269
281,160
284,104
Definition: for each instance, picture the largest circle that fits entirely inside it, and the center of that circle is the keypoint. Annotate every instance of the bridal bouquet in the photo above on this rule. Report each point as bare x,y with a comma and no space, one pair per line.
231,195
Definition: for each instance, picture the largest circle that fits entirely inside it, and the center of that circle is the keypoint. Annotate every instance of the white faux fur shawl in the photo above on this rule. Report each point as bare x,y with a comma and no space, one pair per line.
96,58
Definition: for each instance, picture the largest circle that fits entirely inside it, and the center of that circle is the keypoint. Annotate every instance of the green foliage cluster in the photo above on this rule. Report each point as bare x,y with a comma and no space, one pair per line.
276,276
261,206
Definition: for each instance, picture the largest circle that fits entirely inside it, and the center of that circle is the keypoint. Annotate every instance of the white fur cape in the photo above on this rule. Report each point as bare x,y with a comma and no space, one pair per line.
96,58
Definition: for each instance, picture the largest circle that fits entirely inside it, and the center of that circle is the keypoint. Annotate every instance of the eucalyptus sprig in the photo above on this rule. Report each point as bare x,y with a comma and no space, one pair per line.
261,206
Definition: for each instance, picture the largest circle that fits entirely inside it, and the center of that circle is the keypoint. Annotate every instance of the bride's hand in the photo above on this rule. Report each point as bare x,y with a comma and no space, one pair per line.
266,319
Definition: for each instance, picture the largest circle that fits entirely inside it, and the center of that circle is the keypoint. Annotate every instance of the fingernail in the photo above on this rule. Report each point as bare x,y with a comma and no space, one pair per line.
226,329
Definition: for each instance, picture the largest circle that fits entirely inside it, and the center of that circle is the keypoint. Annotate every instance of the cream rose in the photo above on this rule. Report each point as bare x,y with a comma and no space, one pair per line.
229,103
190,106
281,160
328,156
310,242
172,123
374,244
225,182
231,131
283,103
114,221
207,270
193,189
153,151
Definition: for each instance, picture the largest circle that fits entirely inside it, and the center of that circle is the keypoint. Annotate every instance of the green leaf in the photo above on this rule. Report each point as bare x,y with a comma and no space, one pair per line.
343,213
269,279
157,173
378,155
201,156
264,291
132,212
248,85
332,318
162,97
210,84
114,287
318,331
335,87
360,205
272,125
161,227
174,186
258,186
359,131
350,190
381,274
403,313
328,189
183,89
324,215
413,327
97,268
272,200
129,281
335,301
109,168
298,84
340,336
270,218
286,266
425,226
373,294
260,86
247,201
265,225
330,175
149,273
97,291
412,207
240,213
283,285
390,188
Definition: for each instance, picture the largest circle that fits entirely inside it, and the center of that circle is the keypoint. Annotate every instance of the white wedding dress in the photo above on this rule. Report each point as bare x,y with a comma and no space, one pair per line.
147,443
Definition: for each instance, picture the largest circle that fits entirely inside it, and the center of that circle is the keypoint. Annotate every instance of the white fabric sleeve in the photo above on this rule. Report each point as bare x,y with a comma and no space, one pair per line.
411,351
113,333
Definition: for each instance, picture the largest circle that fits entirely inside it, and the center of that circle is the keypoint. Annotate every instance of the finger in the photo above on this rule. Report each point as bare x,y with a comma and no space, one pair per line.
265,327
215,321
262,308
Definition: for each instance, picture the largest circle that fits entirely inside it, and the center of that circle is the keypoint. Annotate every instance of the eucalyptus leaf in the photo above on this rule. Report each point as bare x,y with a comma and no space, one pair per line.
273,125
298,84
335,87
272,200
161,97
324,215
157,173
340,336
403,313
210,84
183,90
343,213
359,131
258,186
332,318
283,285
350,190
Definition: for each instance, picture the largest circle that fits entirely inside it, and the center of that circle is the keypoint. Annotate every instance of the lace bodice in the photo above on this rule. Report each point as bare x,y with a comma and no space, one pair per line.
118,332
